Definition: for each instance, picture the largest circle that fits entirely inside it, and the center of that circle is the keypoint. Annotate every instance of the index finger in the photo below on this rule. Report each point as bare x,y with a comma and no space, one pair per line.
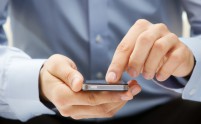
123,51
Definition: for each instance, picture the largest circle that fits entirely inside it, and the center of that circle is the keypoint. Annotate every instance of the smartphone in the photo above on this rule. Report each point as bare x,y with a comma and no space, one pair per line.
102,85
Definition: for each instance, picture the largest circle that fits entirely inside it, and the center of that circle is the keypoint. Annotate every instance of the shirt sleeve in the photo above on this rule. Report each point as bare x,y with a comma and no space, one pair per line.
191,89
3,13
19,90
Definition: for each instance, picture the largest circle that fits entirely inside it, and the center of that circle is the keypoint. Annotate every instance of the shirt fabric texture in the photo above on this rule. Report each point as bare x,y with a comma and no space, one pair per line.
88,32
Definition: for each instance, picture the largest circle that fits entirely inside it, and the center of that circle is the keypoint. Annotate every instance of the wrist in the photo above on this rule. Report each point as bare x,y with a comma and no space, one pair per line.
42,97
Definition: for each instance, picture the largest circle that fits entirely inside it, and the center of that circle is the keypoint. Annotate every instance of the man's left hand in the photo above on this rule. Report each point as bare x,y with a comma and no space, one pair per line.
150,49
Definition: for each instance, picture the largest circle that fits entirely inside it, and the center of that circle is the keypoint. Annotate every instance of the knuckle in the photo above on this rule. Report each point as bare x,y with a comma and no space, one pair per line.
55,59
102,110
64,112
173,36
187,51
51,67
145,38
159,46
161,27
55,56
76,117
71,63
184,47
69,74
141,22
92,99
110,114
123,47
177,58
182,57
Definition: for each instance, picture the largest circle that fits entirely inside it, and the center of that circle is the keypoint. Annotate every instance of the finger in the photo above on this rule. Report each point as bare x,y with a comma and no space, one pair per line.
134,87
97,98
62,96
163,60
123,51
101,111
143,46
79,117
65,70
175,58
157,53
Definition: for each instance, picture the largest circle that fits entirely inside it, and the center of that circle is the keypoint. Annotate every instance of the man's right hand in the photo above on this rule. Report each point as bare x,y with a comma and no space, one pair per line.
61,83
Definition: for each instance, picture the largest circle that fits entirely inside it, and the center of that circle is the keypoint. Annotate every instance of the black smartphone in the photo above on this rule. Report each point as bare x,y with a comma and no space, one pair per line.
102,85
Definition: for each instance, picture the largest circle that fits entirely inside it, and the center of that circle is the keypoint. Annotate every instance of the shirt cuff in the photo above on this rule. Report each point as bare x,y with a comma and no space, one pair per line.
192,89
22,89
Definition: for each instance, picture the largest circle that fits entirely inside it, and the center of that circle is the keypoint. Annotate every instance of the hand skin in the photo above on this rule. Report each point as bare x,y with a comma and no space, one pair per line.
150,49
60,83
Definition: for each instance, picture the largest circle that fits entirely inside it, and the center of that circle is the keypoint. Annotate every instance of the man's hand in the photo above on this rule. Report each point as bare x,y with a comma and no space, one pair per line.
60,83
150,49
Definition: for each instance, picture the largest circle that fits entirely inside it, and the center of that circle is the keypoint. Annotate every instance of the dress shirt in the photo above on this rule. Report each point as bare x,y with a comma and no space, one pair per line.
88,32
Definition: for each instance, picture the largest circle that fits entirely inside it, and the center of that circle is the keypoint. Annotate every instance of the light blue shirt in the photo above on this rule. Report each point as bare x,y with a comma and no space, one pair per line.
88,32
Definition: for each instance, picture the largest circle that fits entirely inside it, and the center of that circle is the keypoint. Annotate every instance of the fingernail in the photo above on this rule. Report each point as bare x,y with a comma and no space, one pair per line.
147,76
125,98
135,91
132,72
111,76
75,81
159,77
